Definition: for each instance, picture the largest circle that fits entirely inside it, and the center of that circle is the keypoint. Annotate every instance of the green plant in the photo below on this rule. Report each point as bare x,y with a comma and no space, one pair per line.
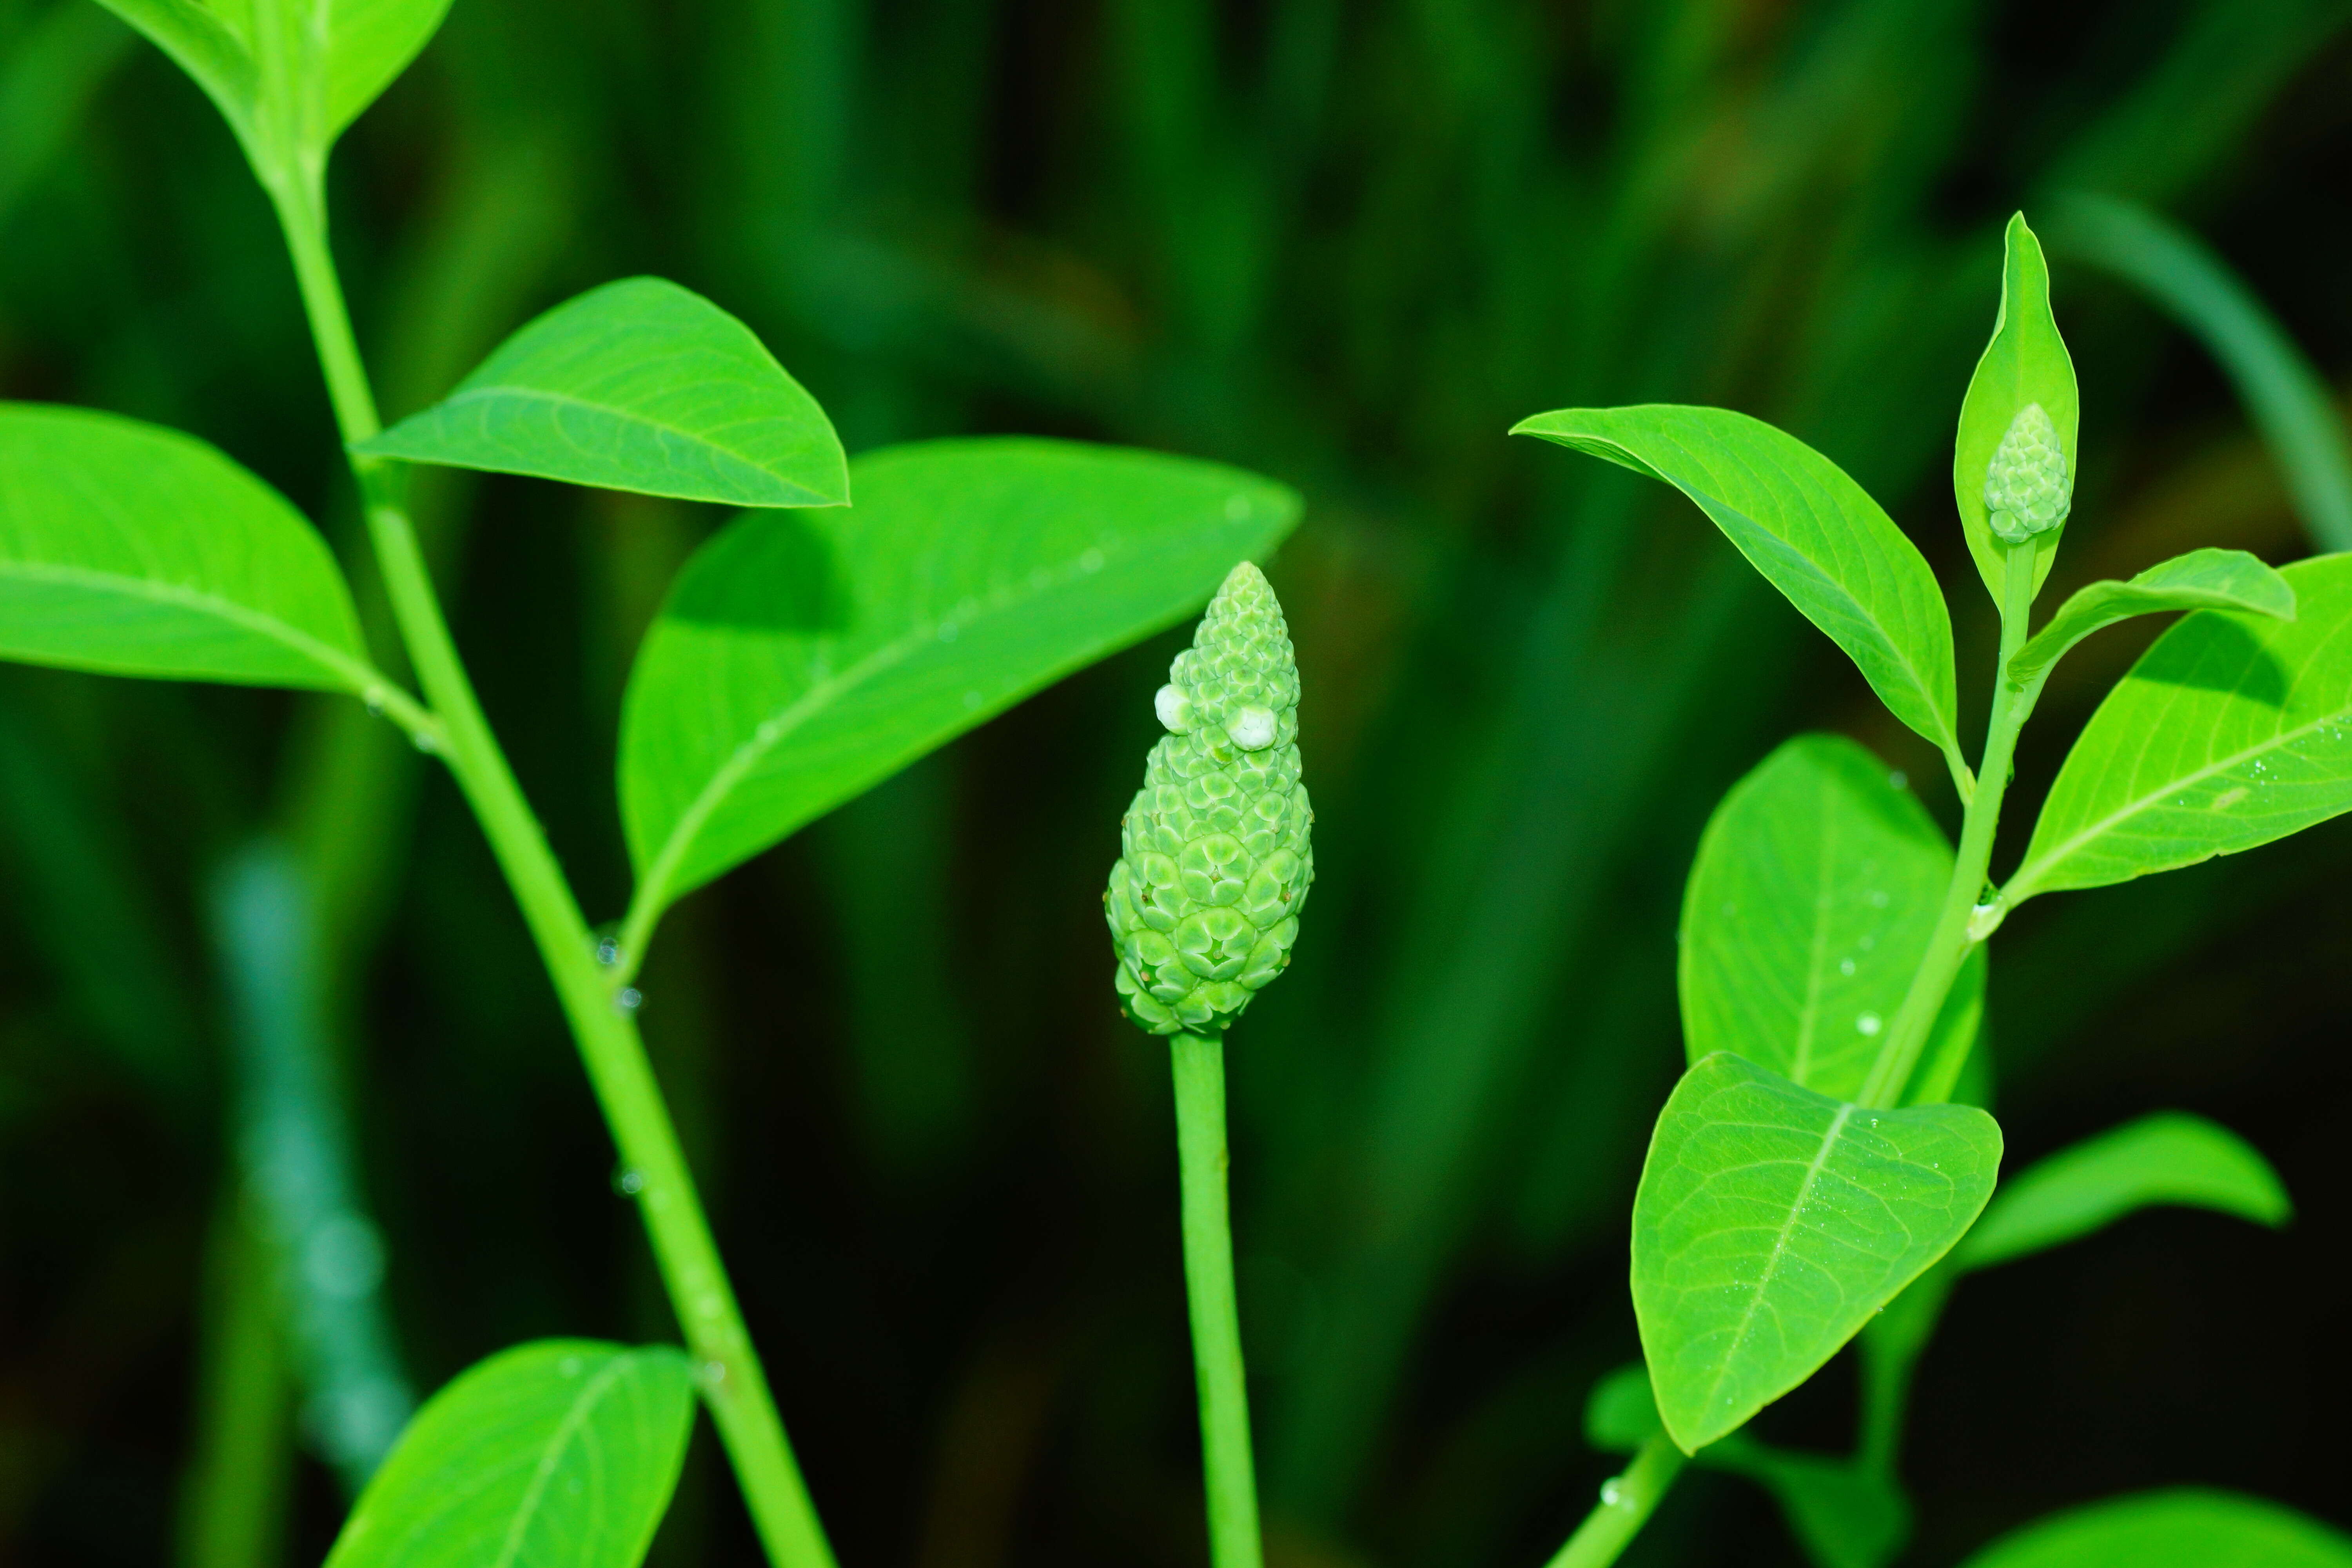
1825,1169
801,655
1203,905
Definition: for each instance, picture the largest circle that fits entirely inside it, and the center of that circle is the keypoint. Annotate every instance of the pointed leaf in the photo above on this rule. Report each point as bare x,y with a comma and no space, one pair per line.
213,45
558,1454
802,657
369,44
2168,1158
1810,529
2232,730
1771,1222
2025,363
2200,580
638,386
129,549
1811,902
2186,1528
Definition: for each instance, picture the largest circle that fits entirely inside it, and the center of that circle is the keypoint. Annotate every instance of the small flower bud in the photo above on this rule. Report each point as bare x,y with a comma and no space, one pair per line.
1203,904
2028,489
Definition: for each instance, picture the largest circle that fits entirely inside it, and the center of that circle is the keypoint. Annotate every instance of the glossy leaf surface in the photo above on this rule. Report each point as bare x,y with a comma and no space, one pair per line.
638,386
2232,730
1772,1222
1809,903
2200,580
2168,1158
1809,528
129,549
558,1454
2026,362
2187,1528
802,658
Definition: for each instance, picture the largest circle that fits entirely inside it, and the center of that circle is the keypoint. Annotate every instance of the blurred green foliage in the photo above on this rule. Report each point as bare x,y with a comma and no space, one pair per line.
1346,246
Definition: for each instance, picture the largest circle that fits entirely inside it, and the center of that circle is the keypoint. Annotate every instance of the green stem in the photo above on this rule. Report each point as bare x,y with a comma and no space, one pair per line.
734,1384
1231,1479
1626,1504
233,1514
1952,939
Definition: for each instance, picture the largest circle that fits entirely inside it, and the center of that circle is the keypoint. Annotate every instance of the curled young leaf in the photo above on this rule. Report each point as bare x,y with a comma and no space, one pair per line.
2015,453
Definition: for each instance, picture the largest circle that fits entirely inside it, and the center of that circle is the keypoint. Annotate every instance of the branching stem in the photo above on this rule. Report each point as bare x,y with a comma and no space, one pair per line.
734,1384
1230,1479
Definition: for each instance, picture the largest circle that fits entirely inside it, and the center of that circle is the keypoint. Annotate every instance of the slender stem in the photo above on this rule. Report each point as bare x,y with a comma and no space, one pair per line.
1626,1504
734,1384
1231,1484
1951,941
233,1514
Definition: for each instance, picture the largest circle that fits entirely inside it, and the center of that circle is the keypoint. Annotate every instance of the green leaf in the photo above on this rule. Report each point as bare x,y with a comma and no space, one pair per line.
2168,1158
2232,730
1620,1414
1808,910
2025,363
802,658
213,44
2200,580
2187,1528
340,55
1771,1222
370,43
1844,1516
638,386
133,550
558,1454
1810,529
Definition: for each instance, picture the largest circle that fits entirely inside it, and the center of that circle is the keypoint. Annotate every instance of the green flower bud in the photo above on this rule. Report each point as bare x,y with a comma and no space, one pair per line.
2027,488
1203,903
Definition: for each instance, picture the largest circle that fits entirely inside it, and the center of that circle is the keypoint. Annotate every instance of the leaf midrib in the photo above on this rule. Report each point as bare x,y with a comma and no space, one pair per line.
789,720
527,1506
614,411
1781,1243
2025,884
355,673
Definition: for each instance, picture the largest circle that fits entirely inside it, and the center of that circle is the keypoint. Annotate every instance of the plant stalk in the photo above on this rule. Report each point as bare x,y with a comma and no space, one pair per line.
1626,1504
1228,1472
733,1385
1951,943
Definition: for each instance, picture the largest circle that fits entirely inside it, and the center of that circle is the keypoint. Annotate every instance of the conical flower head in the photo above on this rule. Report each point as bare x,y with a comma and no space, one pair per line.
1203,903
2027,488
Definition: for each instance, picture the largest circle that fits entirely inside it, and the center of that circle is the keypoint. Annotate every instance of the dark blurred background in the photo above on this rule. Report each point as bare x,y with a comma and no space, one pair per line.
1346,245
